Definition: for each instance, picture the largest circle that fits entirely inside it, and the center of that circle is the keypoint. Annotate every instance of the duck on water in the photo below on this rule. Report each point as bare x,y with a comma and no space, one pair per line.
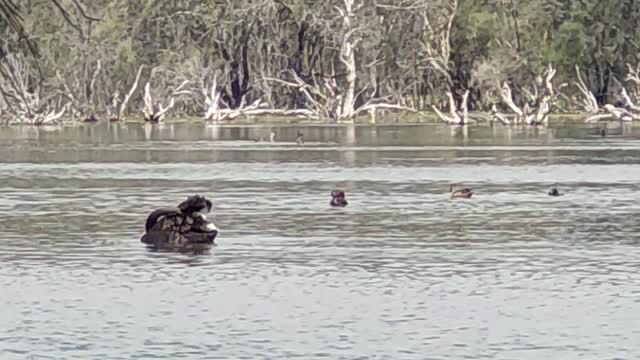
554,191
462,193
338,198
184,227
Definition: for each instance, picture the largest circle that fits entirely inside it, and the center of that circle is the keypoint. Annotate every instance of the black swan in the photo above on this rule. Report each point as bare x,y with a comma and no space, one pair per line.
183,227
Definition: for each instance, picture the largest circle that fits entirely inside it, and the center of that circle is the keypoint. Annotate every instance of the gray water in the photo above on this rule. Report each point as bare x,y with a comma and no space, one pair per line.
401,273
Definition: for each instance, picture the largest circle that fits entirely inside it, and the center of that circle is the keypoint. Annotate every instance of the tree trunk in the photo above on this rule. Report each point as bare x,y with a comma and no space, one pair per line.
348,58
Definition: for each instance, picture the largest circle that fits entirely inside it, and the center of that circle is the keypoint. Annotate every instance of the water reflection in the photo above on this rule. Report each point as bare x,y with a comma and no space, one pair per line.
399,273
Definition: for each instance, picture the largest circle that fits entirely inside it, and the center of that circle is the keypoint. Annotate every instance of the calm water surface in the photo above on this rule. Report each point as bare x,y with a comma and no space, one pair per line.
402,273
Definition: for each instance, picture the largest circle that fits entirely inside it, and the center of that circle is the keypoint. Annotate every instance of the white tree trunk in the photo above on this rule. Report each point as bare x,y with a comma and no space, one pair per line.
348,58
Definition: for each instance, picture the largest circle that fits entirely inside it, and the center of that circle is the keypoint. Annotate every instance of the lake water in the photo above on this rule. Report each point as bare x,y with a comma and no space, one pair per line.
401,273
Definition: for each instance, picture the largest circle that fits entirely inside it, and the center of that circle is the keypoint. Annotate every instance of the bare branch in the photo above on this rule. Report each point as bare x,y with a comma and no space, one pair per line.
83,12
123,106
589,102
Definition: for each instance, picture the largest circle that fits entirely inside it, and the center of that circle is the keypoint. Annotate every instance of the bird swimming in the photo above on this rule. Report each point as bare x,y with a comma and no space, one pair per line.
338,198
554,191
463,193
181,228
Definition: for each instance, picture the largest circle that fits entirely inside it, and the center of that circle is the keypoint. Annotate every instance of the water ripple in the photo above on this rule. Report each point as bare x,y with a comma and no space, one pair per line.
401,273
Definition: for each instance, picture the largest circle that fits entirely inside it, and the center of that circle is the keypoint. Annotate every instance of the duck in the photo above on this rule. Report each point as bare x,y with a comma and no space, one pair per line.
464,193
90,119
181,228
338,198
554,191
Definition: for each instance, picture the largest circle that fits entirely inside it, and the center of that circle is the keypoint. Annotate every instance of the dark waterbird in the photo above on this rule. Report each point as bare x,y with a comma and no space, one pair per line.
338,198
195,203
554,191
90,119
181,228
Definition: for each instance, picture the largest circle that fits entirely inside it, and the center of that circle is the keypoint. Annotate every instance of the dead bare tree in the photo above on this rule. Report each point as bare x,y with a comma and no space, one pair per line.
22,99
80,92
154,111
429,72
333,96
324,101
457,115
437,20
322,94
214,111
118,108
203,86
630,99
535,111
588,101
349,43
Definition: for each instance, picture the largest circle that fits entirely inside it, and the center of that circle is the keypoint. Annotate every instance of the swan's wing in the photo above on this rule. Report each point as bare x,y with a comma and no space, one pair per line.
155,216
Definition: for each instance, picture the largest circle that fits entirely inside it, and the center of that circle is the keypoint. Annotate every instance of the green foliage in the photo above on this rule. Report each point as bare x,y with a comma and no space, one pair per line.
246,42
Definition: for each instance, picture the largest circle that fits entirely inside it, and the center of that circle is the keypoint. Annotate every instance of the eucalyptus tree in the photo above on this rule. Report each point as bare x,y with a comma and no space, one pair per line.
331,59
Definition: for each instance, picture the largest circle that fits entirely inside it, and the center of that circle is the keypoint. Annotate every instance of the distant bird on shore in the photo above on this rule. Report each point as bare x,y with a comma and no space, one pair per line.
90,119
300,138
463,193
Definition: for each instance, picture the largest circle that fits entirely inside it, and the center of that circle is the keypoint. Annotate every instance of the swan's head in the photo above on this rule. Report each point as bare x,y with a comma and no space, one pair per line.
200,224
195,204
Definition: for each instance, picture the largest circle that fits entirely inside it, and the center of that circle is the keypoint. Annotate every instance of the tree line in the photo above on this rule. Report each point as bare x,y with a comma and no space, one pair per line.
513,61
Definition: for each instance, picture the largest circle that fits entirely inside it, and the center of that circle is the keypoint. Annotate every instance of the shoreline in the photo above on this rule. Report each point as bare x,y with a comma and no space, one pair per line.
400,118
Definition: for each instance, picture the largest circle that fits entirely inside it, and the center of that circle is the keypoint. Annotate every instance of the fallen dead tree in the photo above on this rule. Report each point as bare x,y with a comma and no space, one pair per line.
324,100
512,101
208,91
216,109
536,109
457,115
460,115
612,113
321,94
630,99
